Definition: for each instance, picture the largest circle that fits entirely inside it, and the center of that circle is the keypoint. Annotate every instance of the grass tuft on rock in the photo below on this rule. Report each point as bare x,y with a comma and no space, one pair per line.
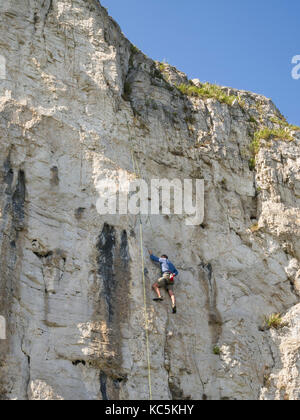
274,321
217,351
266,133
208,90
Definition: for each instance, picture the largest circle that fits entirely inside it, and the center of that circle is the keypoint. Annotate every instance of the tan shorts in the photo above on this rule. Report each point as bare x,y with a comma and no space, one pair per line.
165,282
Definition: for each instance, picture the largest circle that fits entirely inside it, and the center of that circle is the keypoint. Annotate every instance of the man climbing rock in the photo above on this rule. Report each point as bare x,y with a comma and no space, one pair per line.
168,271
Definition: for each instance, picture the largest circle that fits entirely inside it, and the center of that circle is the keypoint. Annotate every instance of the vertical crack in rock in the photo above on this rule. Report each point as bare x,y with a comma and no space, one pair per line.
215,320
167,356
45,10
28,371
48,9
173,382
176,388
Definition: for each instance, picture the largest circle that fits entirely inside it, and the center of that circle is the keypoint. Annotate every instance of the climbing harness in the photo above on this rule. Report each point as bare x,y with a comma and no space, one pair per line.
137,171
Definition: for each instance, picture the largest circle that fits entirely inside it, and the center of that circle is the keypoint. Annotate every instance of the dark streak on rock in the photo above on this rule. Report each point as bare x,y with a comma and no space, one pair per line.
79,212
215,320
103,386
54,176
124,254
8,176
176,391
50,7
106,248
12,223
18,202
113,269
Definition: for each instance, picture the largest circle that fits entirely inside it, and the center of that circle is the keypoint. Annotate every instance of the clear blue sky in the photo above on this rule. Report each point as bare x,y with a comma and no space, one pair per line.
246,44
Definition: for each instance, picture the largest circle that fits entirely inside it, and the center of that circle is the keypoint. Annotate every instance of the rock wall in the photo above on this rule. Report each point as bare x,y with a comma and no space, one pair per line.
77,100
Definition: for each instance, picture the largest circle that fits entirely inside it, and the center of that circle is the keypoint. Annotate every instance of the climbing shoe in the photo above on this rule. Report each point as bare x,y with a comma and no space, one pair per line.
174,309
158,299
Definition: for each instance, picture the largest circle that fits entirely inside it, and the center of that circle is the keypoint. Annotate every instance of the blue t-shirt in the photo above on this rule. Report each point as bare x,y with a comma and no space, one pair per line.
166,265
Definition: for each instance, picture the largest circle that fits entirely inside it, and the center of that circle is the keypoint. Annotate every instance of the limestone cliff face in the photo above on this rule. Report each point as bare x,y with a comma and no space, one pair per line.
75,99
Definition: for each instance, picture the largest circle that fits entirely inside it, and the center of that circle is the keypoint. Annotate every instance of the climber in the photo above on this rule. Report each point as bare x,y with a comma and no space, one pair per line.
168,271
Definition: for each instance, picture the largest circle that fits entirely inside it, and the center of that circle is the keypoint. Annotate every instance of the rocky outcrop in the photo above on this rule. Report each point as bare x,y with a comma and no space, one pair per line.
78,102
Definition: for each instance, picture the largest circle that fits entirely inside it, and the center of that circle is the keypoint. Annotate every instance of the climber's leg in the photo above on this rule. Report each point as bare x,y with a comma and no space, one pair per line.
172,296
156,287
173,299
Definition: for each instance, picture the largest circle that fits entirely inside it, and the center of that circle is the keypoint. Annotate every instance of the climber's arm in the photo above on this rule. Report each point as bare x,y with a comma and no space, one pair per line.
154,258
176,272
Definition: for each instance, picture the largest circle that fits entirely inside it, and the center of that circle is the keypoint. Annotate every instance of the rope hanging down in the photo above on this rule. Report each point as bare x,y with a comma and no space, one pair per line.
137,171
